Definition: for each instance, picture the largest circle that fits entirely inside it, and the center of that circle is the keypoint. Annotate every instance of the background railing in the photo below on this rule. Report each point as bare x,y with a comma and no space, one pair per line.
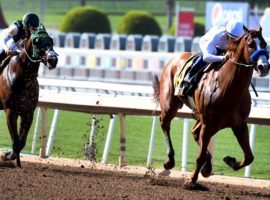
121,58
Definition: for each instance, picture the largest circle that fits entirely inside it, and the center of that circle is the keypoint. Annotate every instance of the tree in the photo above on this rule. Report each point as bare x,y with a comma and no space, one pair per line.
3,23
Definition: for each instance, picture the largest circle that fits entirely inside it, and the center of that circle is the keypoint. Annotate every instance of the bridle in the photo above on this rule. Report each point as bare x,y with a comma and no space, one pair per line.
29,57
242,64
252,58
42,58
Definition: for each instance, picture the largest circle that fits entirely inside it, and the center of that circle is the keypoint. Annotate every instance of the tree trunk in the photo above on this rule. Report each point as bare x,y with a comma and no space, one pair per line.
3,23
82,2
170,7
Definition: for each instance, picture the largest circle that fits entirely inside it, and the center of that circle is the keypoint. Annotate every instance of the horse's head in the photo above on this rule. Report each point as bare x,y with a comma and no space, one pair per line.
257,51
42,48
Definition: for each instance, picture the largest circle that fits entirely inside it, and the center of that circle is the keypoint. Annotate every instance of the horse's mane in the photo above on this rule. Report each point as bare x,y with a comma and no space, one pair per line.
233,44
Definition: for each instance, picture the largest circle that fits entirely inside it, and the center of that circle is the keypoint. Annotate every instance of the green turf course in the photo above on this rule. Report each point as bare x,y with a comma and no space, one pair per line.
73,128
72,133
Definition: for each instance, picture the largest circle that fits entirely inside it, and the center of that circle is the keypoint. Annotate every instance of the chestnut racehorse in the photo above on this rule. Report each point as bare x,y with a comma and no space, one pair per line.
222,100
19,88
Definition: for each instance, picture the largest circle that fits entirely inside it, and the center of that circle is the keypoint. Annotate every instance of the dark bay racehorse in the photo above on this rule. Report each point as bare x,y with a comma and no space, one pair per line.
19,88
222,100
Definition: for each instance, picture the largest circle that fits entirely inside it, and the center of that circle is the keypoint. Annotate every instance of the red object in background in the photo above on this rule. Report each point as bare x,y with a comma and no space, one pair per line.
185,25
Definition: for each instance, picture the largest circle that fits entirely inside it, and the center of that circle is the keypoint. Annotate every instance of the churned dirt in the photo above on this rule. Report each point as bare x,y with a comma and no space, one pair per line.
55,178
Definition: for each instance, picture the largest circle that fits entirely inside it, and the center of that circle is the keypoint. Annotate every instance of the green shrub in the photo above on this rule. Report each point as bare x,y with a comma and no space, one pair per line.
199,29
138,22
86,19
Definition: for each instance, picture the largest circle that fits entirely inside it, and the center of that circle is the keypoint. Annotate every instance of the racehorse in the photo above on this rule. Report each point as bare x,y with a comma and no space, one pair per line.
19,88
221,100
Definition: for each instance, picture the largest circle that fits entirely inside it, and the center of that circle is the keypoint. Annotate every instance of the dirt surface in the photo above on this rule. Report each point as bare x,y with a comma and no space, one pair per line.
74,179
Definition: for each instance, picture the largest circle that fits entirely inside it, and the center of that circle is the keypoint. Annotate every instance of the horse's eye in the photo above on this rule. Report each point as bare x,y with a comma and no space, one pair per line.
36,41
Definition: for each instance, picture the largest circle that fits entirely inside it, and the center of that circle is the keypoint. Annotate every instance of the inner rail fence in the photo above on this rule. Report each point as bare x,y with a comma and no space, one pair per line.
116,58
121,100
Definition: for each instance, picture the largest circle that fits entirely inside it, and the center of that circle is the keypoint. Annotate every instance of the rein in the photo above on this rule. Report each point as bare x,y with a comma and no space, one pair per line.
242,64
255,55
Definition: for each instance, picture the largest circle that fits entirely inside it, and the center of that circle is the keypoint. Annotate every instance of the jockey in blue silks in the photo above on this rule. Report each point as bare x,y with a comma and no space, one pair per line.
213,46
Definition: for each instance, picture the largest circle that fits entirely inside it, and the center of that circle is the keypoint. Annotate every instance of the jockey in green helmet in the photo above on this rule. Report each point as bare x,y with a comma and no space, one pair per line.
16,32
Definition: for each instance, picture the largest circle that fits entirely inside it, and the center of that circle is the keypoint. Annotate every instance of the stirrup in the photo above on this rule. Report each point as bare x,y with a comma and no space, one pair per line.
180,91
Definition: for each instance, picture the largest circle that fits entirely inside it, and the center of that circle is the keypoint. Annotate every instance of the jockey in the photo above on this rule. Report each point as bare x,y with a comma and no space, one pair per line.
216,40
213,46
15,33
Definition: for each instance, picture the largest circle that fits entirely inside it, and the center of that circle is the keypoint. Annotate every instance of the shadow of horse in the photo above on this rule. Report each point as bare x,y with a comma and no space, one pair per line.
221,99
19,88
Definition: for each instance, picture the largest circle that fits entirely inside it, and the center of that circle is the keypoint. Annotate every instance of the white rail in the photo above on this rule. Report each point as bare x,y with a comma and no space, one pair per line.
122,106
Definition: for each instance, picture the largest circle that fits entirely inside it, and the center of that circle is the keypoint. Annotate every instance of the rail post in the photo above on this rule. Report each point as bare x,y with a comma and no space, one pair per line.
122,156
43,133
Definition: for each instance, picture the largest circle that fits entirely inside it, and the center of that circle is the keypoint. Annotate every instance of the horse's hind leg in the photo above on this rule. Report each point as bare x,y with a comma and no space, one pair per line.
206,169
18,140
168,111
241,133
25,126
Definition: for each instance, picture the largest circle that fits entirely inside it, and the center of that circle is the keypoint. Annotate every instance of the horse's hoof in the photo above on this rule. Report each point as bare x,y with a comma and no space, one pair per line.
206,170
2,156
18,165
165,172
189,185
230,161
7,156
6,162
169,165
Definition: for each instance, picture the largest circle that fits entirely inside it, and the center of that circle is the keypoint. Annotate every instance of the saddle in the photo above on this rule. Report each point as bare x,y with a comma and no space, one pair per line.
186,80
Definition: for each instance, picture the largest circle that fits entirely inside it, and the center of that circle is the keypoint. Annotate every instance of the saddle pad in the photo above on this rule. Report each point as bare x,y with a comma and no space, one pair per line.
181,72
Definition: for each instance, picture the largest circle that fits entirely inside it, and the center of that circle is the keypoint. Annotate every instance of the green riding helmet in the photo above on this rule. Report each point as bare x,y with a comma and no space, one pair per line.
30,20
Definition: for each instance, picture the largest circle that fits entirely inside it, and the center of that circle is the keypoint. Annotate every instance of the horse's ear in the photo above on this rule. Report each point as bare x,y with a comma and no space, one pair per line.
42,27
245,29
260,28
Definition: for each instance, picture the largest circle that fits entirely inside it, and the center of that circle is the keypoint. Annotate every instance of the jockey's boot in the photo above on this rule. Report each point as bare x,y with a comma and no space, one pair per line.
189,88
3,60
3,55
190,79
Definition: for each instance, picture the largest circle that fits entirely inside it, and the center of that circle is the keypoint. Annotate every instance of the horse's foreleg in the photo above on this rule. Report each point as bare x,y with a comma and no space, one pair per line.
16,142
241,134
204,139
206,169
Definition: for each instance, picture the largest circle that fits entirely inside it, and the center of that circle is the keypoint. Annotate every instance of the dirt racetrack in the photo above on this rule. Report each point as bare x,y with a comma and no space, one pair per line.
54,178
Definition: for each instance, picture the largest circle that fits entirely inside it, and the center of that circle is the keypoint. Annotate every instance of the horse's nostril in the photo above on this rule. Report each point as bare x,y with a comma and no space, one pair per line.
263,69
260,67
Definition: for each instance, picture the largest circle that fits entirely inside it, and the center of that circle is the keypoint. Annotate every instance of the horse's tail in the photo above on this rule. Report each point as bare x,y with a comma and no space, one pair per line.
156,85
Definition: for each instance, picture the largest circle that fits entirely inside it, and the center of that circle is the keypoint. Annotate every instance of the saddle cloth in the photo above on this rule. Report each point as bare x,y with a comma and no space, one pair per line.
182,72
